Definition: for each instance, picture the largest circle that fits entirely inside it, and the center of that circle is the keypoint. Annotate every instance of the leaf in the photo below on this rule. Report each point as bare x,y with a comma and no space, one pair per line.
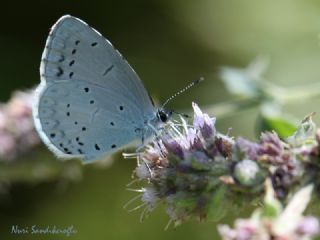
272,207
238,83
245,82
283,126
218,205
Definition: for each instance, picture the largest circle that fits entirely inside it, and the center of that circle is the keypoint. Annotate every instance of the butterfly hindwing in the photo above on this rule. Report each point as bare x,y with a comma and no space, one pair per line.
76,123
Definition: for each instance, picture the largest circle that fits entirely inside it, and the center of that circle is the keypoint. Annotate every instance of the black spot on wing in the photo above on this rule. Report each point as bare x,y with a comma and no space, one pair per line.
79,142
61,59
60,72
108,70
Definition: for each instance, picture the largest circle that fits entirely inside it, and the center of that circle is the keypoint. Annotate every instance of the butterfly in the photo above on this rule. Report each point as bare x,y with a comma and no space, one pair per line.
90,102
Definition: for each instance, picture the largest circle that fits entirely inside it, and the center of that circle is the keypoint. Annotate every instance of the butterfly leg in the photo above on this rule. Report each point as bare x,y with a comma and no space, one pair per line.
142,130
143,134
157,137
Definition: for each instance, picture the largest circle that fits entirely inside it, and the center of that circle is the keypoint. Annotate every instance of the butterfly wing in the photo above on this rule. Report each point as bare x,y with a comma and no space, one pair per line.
90,101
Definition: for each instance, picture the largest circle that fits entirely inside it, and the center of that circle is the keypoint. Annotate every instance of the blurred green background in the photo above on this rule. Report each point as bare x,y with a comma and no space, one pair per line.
169,44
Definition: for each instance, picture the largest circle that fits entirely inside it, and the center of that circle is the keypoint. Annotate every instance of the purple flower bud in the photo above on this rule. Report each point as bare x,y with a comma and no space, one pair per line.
276,152
244,230
193,139
250,150
308,226
20,105
227,233
271,144
203,122
173,146
17,133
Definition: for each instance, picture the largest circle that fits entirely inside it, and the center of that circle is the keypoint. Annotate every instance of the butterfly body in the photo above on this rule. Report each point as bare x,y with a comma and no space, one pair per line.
90,102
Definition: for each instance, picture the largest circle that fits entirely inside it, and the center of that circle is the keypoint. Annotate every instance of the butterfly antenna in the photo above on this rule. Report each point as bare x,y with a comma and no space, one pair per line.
183,90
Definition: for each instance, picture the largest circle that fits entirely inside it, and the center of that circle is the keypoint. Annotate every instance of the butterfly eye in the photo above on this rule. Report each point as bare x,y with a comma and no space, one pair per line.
162,116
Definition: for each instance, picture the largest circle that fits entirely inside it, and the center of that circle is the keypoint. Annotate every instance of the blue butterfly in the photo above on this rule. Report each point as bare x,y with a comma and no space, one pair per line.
90,102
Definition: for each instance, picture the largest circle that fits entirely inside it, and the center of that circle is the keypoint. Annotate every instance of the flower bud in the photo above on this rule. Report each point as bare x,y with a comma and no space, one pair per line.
247,172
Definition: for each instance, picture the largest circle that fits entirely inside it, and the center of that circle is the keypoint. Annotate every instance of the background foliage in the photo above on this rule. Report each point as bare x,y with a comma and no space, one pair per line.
169,44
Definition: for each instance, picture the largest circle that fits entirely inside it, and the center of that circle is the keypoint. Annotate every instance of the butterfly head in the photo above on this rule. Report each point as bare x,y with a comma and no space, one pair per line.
164,115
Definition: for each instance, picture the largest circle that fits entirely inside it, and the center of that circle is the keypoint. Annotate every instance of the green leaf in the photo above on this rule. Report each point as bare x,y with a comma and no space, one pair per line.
283,126
219,204
272,206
